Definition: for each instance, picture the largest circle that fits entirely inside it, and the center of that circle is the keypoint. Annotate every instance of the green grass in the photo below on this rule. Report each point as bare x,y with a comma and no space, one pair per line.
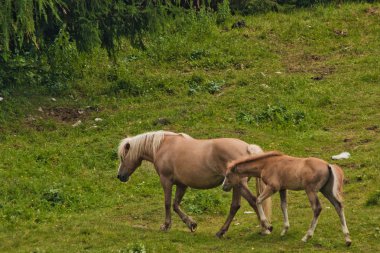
58,187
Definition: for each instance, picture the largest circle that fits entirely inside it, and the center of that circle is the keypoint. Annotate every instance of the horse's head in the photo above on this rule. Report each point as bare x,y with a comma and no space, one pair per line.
231,179
128,162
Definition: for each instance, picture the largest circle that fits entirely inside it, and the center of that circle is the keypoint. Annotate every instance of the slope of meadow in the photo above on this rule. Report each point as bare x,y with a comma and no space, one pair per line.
306,83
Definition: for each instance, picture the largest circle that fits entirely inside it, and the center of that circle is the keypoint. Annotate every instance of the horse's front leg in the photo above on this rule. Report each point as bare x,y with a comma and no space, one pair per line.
167,186
235,205
268,191
179,193
247,194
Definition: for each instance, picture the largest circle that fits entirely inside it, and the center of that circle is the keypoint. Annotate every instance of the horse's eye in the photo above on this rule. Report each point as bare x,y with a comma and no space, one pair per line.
127,146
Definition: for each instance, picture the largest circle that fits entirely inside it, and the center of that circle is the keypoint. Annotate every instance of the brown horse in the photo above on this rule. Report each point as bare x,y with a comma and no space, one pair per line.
281,172
187,162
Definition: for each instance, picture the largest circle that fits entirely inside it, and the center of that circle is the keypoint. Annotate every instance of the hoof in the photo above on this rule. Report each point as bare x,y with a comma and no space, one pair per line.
348,243
192,225
165,227
219,234
270,228
283,233
265,232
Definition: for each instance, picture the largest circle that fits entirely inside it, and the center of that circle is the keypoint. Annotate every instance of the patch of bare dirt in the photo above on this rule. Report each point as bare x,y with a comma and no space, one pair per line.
308,63
69,115
373,10
374,128
339,32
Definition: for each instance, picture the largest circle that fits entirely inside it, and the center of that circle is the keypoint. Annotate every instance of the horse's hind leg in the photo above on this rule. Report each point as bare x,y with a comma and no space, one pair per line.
235,205
180,192
339,209
284,212
317,208
167,185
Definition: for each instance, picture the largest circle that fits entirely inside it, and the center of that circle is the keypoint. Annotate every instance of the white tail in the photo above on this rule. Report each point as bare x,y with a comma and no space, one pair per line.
337,174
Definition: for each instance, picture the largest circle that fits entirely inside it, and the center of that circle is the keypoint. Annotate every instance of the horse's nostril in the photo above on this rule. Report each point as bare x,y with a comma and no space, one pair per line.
118,176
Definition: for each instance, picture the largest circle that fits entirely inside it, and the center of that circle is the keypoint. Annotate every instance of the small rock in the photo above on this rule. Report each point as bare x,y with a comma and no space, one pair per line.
1,99
340,32
98,119
31,118
248,212
161,121
343,155
374,127
278,72
317,78
77,123
53,99
239,24
80,111
237,224
40,109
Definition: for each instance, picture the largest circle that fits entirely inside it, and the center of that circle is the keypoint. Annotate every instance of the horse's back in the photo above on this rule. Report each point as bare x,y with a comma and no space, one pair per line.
195,162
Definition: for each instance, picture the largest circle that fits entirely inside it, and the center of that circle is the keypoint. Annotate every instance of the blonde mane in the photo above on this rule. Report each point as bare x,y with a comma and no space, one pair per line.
149,142
251,158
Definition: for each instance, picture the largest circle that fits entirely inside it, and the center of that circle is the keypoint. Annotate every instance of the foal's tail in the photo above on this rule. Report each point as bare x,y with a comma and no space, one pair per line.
260,185
337,185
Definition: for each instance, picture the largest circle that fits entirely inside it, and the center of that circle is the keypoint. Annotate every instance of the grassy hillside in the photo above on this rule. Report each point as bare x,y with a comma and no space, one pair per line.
305,83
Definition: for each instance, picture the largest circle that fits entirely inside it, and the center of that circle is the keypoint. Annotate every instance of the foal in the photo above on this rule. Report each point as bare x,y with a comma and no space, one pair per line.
281,172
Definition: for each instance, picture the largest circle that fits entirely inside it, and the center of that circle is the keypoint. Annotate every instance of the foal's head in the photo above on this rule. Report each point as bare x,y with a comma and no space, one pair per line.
231,179
128,160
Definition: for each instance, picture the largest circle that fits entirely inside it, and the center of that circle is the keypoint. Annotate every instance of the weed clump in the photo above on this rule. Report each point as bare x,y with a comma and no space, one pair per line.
134,248
202,202
374,199
198,84
275,114
54,197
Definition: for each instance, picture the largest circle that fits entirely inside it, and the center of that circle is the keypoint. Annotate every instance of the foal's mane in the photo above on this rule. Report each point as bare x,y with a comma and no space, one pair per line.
251,158
149,141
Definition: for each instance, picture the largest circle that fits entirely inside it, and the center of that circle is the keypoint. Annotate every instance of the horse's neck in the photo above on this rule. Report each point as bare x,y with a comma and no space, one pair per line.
147,155
251,168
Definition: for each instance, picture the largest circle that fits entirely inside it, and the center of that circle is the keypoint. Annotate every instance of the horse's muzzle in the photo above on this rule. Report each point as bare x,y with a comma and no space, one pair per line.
123,178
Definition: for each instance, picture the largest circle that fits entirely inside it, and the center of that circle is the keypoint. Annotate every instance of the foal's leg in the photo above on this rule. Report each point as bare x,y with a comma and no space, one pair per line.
180,191
339,209
247,194
268,191
167,186
317,208
235,205
284,211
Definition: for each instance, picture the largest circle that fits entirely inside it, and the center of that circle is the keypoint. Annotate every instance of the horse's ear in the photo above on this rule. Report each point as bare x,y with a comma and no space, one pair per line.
127,146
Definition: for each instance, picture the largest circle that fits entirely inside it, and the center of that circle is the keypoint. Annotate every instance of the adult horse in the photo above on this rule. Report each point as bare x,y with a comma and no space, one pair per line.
187,162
